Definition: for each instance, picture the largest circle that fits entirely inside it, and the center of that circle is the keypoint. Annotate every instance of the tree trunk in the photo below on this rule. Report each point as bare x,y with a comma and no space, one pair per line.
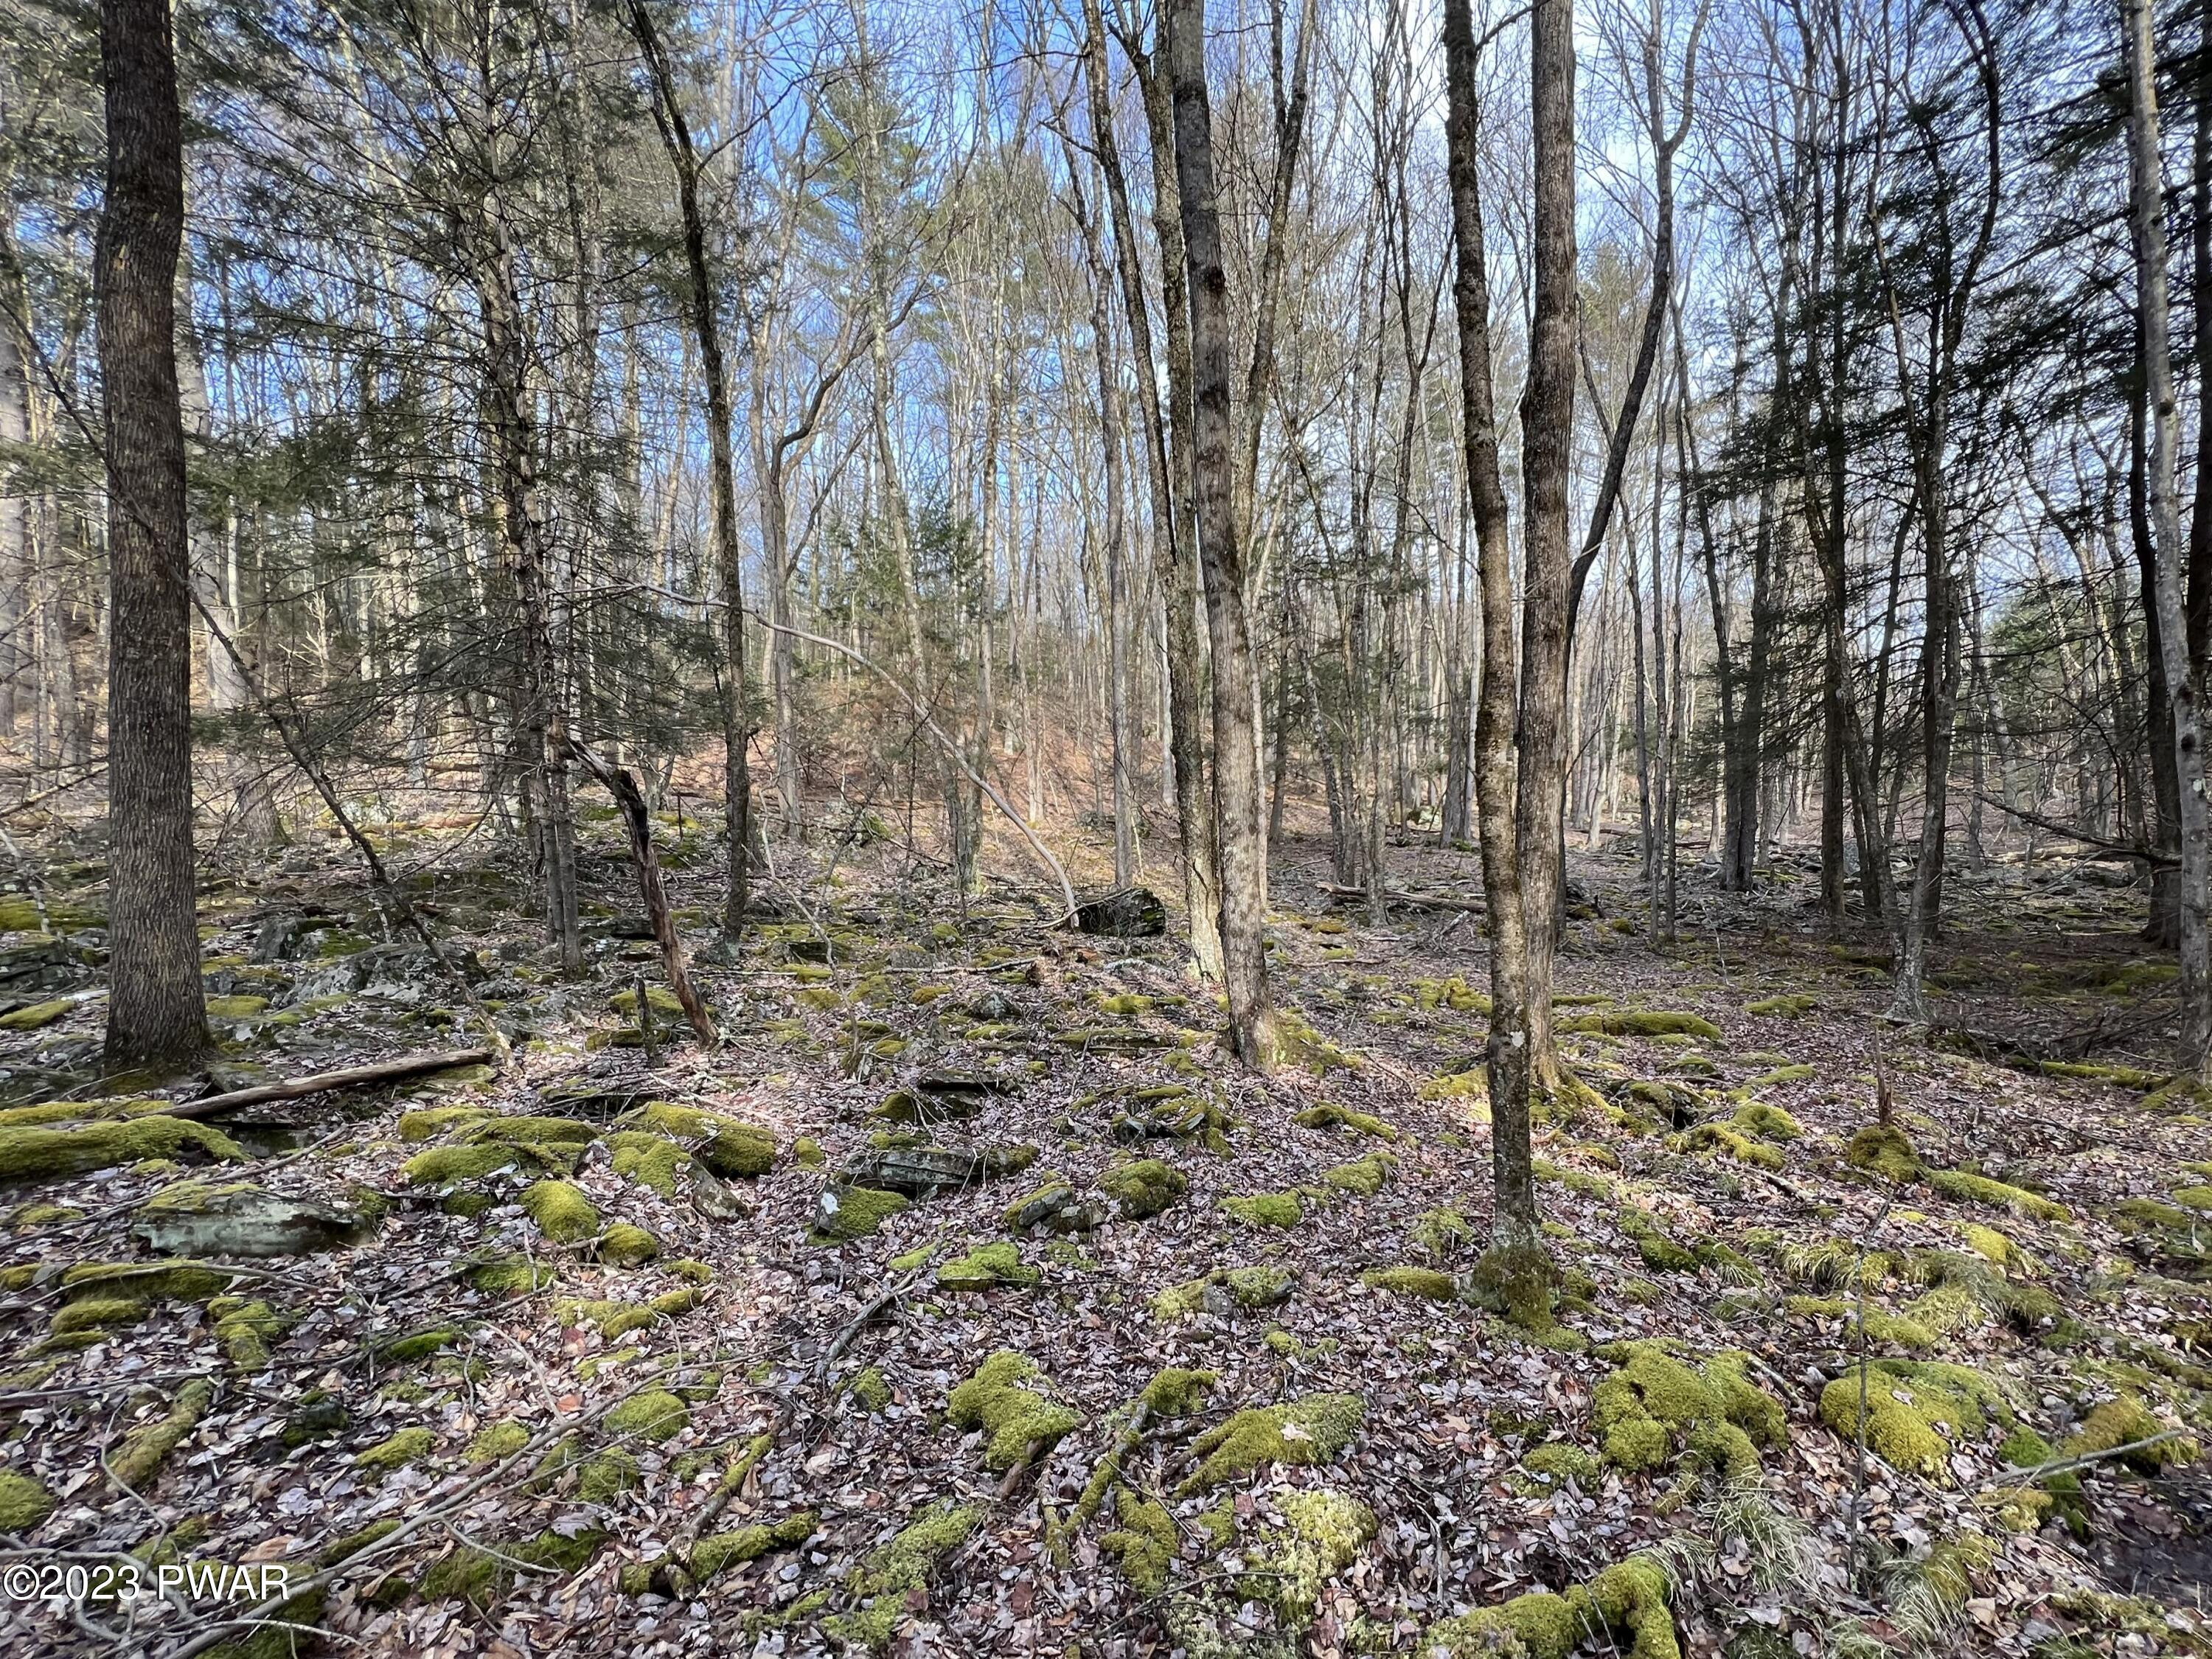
1238,832
1496,779
2147,220
154,1011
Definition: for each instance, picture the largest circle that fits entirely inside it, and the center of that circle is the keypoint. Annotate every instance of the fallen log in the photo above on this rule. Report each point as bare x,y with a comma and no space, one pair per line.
1400,896
382,1071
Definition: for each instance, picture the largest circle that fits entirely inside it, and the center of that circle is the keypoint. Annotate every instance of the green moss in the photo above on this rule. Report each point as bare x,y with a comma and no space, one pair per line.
653,1415
1645,1023
2122,1422
1440,1232
1660,1252
1314,1429
851,1212
428,1122
1768,1122
497,1441
1143,1187
1412,1281
561,1212
870,1391
1653,1404
1455,993
808,1151
235,1008
984,1268
1722,1139
443,1166
728,1146
98,1313
1266,1209
1323,1533
23,1502
1020,1424
2193,1198
1907,1402
605,1476
1329,1116
138,1460
507,1273
160,1281
1970,1189
37,1015
33,1152
1883,1328
401,1450
344,1549
1627,1600
1882,1149
718,1551
1143,1546
245,1328
1555,1463
1782,1007
896,1570
482,1576
623,1245
405,1350
1364,1176
652,1161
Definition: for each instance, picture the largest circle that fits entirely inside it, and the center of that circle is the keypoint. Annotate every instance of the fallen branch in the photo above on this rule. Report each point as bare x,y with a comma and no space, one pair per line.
2102,851
1400,896
2028,1477
624,787
382,1071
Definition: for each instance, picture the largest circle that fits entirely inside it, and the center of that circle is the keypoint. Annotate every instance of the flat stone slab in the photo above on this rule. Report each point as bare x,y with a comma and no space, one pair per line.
198,1218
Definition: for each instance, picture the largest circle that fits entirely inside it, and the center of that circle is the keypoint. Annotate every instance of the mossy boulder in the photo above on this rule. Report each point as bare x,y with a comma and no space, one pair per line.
1883,1328
1362,1177
1914,1410
1626,1601
35,1152
1654,1406
1225,1291
729,1146
38,1016
245,1327
2124,1422
1312,1430
482,1576
721,1550
1725,1139
1412,1281
1645,1023
986,1267
623,1245
497,1442
401,1450
1329,1115
1968,1187
1884,1150
1018,1423
1756,1117
197,1217
900,1569
842,1215
1055,1207
561,1212
23,1502
1266,1209
1142,1188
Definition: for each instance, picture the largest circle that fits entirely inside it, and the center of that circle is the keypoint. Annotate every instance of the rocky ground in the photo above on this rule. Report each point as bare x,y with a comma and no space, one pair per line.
969,1300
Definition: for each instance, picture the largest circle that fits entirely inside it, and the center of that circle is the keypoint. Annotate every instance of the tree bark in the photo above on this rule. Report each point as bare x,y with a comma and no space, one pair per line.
1238,833
155,1012
2145,216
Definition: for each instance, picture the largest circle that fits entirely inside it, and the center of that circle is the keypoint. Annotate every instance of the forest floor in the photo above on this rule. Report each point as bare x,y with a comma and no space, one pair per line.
548,1368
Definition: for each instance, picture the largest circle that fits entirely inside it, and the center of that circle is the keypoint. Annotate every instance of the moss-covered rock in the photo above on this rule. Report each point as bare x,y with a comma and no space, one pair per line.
245,1327
1412,1281
198,1218
1884,1329
1329,1115
1439,1233
1266,1209
401,1450
1224,1291
497,1442
482,1576
1363,1177
2123,1422
1019,1422
1911,1406
986,1267
1883,1149
561,1212
23,1502
98,1313
1654,1406
1628,1600
1314,1429
1142,1188
727,1145
1725,1139
623,1245
1645,1023
1555,1463
1967,1188
35,1152
899,1569
844,1213
869,1390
